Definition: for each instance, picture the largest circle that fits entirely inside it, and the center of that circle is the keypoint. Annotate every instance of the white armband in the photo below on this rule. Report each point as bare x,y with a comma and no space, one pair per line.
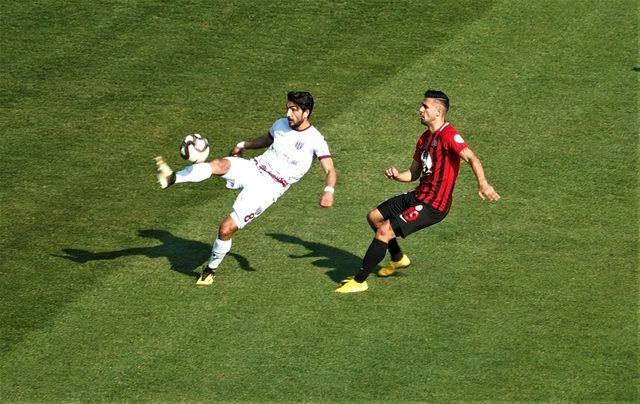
240,145
329,189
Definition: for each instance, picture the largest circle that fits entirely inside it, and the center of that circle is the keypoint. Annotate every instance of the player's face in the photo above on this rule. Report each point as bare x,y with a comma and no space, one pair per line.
429,111
295,115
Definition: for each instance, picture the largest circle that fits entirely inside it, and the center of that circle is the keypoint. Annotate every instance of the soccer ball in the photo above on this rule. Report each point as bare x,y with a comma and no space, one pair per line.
195,148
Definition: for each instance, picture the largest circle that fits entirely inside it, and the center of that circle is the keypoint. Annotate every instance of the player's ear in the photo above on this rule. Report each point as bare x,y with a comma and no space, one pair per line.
306,113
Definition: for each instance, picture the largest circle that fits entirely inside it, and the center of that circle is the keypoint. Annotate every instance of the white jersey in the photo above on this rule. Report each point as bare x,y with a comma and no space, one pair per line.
291,153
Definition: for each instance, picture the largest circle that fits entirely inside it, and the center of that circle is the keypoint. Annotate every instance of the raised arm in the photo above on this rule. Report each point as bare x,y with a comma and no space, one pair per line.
331,178
485,190
258,143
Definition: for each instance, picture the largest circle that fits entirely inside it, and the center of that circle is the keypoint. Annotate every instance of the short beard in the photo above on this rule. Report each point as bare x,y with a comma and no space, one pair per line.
294,125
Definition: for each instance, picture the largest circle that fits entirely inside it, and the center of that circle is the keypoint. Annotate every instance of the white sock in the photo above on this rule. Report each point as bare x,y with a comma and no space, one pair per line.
195,173
218,251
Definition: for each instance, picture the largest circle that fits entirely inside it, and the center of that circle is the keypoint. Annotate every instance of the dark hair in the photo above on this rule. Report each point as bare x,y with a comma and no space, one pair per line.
303,99
438,95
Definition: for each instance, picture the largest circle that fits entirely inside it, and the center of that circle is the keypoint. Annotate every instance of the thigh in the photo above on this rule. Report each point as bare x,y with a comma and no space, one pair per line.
241,172
253,200
415,217
396,205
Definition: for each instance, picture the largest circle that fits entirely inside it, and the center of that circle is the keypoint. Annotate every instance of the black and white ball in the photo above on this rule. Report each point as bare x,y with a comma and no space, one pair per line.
195,148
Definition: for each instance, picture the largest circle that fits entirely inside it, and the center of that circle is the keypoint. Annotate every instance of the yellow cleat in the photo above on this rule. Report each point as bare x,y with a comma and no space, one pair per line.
391,267
345,280
351,286
207,277
165,176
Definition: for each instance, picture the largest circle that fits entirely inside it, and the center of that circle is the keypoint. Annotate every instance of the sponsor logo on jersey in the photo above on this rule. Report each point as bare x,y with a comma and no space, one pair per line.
427,163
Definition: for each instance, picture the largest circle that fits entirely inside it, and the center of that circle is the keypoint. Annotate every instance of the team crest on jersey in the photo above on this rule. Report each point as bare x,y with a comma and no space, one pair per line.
299,145
434,143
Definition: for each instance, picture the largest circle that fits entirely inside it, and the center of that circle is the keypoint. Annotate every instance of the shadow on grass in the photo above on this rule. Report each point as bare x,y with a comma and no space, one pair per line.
340,262
184,255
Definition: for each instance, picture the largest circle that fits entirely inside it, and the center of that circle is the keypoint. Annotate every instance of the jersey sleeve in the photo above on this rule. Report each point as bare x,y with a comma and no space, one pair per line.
275,128
452,141
321,149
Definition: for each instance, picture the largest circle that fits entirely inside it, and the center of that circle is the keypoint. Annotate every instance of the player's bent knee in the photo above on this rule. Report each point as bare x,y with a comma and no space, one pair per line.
385,231
220,166
227,229
375,218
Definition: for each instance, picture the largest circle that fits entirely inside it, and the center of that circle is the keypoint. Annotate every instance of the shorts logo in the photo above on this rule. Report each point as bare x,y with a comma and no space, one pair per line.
412,213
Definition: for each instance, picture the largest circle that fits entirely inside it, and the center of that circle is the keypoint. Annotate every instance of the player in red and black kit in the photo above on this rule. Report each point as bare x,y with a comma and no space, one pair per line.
436,162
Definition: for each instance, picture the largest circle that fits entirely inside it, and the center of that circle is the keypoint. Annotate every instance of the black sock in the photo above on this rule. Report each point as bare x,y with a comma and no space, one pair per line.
395,250
375,253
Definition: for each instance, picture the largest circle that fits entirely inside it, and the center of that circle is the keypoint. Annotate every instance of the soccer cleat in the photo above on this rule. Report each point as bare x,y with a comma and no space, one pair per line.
345,280
166,176
207,276
392,266
351,286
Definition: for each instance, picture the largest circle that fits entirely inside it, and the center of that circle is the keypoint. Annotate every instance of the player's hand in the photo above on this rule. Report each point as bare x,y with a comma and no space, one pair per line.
327,200
486,191
391,173
236,152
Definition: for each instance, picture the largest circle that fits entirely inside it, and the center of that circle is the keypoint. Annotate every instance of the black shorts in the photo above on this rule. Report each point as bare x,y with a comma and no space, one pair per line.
408,215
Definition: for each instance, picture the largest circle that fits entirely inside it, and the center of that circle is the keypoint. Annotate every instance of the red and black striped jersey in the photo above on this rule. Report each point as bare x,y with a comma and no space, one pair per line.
439,154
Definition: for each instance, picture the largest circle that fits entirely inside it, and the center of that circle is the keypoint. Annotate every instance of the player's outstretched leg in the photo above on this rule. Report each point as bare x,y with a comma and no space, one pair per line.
166,176
193,173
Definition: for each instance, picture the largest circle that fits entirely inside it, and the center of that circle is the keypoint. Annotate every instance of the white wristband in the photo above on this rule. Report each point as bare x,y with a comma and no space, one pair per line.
240,145
329,189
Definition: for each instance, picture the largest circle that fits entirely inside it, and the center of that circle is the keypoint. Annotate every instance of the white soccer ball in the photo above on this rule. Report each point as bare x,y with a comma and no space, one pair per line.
195,148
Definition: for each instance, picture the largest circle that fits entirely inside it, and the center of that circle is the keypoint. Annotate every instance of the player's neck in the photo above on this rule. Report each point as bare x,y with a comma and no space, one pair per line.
303,126
436,125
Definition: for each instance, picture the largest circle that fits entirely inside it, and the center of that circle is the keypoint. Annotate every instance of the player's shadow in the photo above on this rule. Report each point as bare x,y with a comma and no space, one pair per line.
184,255
340,263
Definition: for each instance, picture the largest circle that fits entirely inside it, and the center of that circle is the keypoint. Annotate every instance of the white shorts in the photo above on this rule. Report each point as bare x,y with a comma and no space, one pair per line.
259,190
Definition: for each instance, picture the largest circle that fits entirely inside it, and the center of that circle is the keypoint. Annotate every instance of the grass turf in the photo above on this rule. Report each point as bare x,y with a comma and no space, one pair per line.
532,298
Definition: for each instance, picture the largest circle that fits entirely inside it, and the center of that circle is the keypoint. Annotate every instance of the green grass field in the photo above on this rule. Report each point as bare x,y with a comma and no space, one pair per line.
533,298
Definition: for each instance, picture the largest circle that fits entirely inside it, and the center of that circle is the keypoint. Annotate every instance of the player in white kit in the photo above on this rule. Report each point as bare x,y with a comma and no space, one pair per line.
293,143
